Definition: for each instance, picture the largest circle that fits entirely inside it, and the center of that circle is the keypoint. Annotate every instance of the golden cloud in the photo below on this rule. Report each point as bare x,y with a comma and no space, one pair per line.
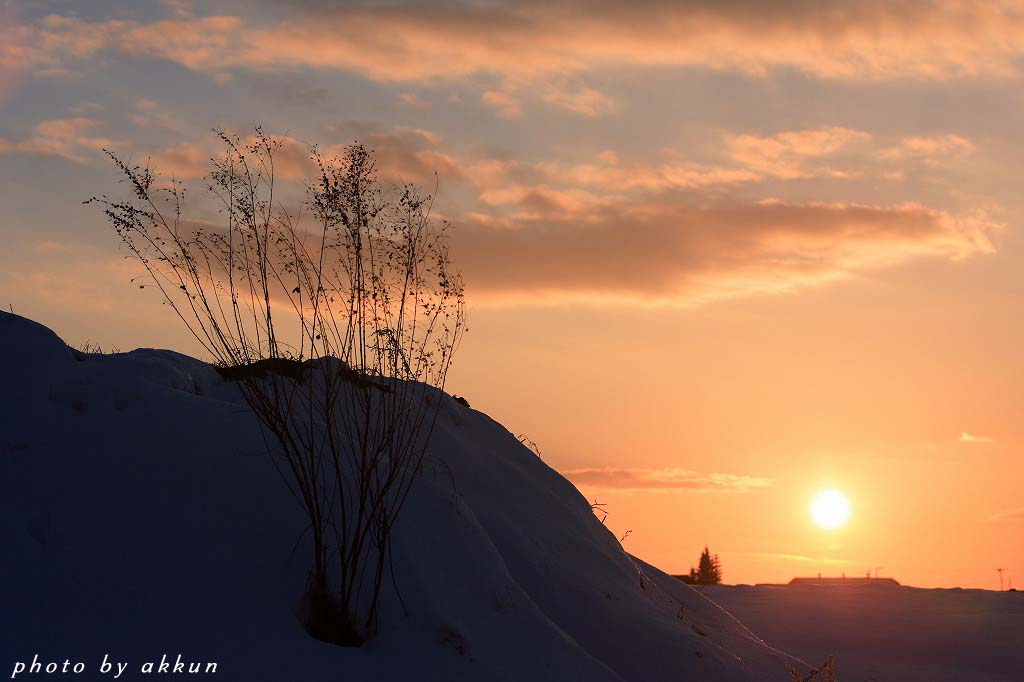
663,480
1009,515
618,232
663,250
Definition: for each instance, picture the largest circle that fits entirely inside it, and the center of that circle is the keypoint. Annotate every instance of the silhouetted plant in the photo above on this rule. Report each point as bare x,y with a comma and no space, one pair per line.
88,347
825,673
340,338
525,440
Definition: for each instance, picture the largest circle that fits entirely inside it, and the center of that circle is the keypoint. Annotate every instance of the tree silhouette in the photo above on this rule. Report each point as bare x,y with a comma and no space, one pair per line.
708,571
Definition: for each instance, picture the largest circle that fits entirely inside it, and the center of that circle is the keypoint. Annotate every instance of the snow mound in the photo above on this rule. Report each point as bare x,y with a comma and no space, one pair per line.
141,516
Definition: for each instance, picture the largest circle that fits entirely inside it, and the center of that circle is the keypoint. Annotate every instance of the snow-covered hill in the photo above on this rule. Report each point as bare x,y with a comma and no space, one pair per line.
141,516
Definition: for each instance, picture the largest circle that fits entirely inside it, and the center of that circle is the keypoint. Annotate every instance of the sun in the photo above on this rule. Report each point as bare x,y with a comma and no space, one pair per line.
830,509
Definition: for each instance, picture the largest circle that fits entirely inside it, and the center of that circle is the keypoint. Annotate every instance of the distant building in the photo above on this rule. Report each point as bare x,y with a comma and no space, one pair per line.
845,582
842,581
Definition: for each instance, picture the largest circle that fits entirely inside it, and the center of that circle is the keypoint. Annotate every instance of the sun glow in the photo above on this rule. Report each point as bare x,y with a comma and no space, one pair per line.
830,509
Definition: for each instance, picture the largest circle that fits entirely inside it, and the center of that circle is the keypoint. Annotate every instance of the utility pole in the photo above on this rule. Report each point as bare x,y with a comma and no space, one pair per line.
876,570
1000,578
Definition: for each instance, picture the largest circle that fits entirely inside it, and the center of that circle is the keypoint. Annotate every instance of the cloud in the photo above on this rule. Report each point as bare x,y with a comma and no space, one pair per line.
931,150
153,115
584,100
667,250
85,108
609,174
788,154
505,104
663,480
73,276
291,89
599,181
413,101
190,160
610,231
970,438
743,158
404,153
802,558
401,153
179,8
70,138
544,43
186,160
1009,515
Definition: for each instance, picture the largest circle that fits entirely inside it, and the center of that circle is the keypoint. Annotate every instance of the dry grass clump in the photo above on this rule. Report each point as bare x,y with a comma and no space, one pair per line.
826,673
337,317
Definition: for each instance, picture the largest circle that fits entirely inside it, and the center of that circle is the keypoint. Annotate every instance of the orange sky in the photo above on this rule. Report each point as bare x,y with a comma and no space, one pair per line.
718,255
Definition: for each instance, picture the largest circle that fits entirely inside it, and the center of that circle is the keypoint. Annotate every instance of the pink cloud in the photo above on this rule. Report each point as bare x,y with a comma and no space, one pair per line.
543,43
932,150
793,154
621,232
70,138
586,101
402,154
413,101
505,104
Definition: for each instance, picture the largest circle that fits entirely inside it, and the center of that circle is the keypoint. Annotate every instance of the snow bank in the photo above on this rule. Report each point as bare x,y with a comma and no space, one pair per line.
141,516
881,633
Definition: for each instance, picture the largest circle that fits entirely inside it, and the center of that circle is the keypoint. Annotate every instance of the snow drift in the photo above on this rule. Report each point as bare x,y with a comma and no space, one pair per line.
141,516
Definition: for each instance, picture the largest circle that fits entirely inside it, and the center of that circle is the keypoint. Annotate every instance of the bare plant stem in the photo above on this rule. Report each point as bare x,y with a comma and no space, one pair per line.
348,398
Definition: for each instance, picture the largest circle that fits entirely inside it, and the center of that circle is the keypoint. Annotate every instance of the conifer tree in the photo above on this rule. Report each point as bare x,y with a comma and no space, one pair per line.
708,571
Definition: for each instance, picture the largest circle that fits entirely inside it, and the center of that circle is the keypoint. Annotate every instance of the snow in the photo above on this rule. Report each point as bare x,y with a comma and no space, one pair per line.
141,516
890,633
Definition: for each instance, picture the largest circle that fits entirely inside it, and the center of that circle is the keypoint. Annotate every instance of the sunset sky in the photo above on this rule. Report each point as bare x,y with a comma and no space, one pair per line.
719,256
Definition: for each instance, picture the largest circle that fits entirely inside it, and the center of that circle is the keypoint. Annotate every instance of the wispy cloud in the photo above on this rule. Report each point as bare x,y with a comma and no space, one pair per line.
1009,515
504,103
740,158
802,558
796,153
931,150
663,480
414,101
971,438
581,100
